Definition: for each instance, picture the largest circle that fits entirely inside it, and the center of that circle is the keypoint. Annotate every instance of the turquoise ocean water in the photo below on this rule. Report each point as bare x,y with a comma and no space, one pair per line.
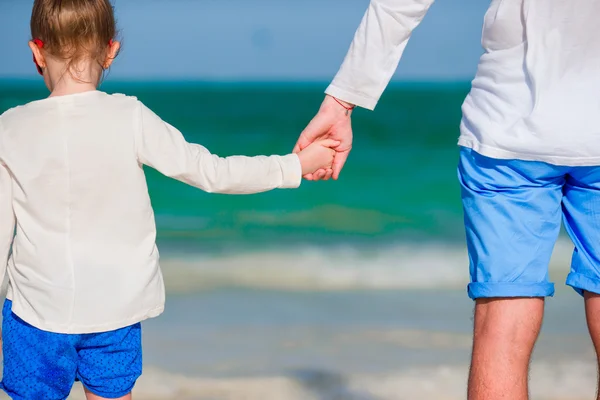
337,290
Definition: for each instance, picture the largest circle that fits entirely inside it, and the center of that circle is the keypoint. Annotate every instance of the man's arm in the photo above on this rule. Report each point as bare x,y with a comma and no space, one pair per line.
367,69
376,50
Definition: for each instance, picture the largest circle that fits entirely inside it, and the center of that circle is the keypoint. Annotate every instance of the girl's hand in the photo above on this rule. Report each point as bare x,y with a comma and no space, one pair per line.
331,122
318,155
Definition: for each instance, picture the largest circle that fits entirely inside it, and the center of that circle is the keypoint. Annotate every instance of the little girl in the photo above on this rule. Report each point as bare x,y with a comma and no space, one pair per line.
84,271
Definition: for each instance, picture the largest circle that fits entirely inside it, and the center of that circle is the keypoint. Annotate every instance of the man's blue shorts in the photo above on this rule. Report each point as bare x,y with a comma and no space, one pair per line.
40,365
513,211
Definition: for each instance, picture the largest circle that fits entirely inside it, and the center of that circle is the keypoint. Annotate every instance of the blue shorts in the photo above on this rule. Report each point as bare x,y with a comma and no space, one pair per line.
40,365
513,211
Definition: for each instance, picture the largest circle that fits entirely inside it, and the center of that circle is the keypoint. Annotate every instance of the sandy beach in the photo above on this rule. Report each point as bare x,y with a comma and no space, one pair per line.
260,345
442,383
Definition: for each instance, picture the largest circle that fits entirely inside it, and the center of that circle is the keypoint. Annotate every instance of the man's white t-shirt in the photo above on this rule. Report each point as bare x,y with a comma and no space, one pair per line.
84,257
536,95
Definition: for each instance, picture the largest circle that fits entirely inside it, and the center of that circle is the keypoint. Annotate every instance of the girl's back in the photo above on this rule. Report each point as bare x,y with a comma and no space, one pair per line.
85,227
83,272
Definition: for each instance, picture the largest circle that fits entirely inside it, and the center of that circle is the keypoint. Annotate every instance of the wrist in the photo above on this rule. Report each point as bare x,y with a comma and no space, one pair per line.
344,103
336,105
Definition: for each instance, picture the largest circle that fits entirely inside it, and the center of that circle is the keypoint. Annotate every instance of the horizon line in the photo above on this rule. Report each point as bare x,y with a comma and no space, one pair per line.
223,82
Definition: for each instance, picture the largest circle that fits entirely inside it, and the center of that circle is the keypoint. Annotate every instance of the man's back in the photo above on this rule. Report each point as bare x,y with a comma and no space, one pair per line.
535,93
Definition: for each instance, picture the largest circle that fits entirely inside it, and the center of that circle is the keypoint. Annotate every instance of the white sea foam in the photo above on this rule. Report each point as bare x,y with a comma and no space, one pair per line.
549,381
329,269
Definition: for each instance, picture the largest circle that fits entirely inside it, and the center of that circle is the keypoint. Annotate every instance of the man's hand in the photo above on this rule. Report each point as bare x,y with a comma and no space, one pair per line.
331,122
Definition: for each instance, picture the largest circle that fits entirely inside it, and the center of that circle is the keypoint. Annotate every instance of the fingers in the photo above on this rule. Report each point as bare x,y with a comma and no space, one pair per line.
315,176
338,163
329,143
301,144
320,174
315,129
323,173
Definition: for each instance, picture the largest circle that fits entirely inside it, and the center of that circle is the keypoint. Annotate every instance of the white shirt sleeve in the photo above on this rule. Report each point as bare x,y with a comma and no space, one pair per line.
162,147
376,50
7,218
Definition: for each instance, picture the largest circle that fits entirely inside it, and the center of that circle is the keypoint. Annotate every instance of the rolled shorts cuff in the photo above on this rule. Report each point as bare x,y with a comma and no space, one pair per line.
478,290
582,283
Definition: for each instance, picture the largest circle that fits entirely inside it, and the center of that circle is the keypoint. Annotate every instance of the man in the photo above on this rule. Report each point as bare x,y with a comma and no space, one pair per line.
529,155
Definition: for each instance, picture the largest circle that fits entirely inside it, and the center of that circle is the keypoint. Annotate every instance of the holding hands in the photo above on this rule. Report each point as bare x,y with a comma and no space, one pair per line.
332,122
317,156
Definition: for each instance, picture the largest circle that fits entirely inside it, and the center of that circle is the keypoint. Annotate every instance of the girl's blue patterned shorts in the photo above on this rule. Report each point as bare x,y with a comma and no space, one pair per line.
40,365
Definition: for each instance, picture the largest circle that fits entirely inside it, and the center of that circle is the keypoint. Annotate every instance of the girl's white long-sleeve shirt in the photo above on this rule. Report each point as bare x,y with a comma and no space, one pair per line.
535,95
75,208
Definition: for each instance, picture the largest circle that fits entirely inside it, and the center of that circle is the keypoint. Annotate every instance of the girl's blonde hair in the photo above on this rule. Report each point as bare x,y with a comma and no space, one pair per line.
74,30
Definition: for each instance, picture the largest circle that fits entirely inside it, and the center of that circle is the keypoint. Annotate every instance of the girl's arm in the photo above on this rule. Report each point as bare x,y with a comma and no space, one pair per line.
162,147
7,218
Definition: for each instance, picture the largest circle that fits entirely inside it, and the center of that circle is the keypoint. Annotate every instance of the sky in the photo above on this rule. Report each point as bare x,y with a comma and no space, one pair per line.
248,40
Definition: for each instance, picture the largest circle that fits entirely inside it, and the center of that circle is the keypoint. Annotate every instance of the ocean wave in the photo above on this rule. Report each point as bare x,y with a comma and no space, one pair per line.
566,380
402,266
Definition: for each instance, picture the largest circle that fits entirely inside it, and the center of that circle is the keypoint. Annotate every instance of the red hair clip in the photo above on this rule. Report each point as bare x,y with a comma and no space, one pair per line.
39,44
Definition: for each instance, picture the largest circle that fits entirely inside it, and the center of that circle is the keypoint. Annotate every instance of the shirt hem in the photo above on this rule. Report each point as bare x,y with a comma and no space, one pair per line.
502,154
85,329
292,171
350,97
